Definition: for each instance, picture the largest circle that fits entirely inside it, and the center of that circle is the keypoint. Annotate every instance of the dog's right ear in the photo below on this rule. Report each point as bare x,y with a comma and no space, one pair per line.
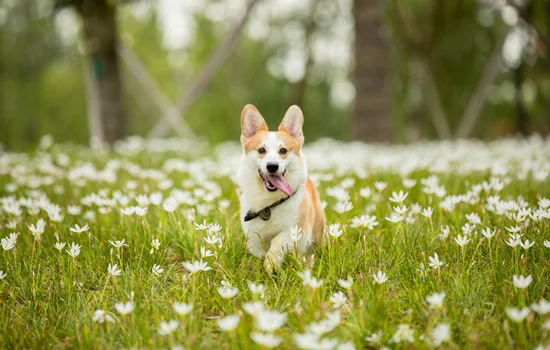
251,122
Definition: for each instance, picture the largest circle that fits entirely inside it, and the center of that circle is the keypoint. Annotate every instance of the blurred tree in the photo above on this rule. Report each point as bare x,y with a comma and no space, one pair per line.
101,34
372,119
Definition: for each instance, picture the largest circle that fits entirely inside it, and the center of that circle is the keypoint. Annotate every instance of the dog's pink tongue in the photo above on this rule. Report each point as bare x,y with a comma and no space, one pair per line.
281,183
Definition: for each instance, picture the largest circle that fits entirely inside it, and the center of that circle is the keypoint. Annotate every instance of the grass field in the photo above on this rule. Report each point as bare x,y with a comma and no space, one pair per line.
457,257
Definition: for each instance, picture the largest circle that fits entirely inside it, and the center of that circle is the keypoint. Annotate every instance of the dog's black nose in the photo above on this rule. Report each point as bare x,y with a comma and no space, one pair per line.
272,167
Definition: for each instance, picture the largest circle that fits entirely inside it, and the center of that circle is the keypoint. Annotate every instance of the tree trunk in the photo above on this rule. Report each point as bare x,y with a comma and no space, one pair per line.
100,29
372,119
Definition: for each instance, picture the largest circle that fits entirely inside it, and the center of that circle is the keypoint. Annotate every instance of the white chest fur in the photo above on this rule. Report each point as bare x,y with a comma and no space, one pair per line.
283,218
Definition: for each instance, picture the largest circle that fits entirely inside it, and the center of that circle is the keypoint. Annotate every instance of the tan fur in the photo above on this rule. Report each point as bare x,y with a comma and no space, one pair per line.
311,215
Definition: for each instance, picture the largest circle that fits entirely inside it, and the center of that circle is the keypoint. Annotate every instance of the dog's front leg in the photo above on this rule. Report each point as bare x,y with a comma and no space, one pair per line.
255,245
280,245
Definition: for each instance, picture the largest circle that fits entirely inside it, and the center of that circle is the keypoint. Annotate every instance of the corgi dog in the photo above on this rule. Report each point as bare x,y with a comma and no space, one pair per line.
277,195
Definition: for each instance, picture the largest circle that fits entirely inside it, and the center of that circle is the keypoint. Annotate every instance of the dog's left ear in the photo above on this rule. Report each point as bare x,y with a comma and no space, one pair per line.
292,123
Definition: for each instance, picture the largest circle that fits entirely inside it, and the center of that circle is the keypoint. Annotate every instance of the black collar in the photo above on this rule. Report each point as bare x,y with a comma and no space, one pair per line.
265,213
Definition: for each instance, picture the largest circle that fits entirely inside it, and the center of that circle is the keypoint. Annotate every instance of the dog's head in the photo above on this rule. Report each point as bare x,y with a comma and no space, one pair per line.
275,157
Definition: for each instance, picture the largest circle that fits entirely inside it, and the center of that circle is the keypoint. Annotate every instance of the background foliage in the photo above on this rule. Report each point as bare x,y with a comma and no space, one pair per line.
43,87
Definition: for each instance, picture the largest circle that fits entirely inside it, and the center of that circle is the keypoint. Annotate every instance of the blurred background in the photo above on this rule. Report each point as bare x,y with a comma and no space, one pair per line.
371,70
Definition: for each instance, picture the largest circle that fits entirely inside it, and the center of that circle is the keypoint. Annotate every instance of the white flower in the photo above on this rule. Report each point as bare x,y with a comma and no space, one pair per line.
119,244
74,250
170,204
206,253
295,233
157,270
128,210
102,316
394,217
214,228
59,246
398,197
473,218
517,315
467,229
309,280
526,244
402,210
269,321
140,211
124,308
338,299
409,183
380,277
380,186
445,231
183,308
546,244
228,323
403,333
436,300
335,230
364,221
346,346
346,284
113,270
435,263
543,307
488,233
256,288
155,245
514,229
461,240
267,340
365,192
74,210
227,292
78,229
2,275
374,338
522,282
202,227
9,242
196,266
342,207
440,334
212,239
166,328
513,242
253,308
427,212
39,228
310,341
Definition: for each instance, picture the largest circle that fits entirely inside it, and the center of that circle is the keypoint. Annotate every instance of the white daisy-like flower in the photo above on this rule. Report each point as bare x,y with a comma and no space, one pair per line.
157,270
347,283
522,282
229,323
169,327
124,308
183,308
435,300
380,277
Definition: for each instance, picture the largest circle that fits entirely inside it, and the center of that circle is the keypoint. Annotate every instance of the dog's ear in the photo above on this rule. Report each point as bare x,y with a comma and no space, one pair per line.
251,122
292,123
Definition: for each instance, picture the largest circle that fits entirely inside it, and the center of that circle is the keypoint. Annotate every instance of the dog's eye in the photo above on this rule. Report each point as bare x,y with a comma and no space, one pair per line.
261,150
283,151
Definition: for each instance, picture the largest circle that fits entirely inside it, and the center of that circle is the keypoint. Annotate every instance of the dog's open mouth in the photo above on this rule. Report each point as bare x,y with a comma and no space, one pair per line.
273,183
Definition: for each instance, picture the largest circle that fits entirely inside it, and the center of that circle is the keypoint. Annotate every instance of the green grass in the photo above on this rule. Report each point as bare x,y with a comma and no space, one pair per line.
48,299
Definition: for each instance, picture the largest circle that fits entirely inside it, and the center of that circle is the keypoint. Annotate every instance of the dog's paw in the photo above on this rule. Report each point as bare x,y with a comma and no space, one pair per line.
272,263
